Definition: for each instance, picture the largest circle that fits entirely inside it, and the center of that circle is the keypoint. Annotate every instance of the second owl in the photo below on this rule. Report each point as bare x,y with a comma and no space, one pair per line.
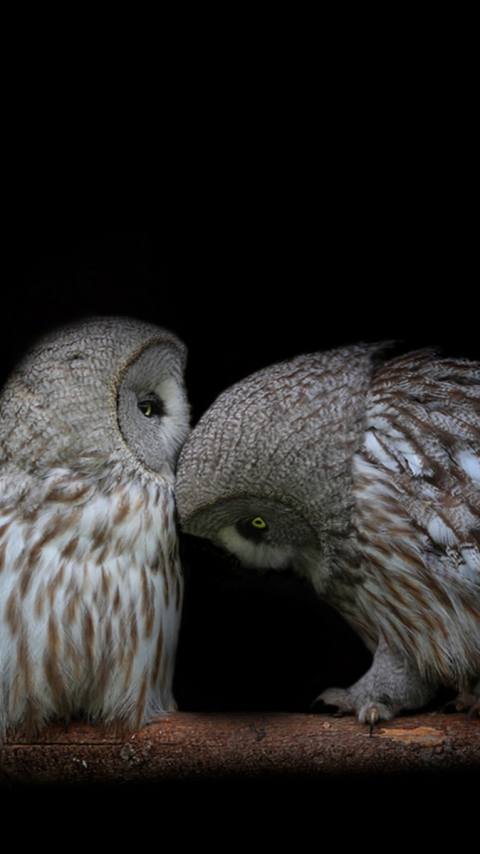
363,475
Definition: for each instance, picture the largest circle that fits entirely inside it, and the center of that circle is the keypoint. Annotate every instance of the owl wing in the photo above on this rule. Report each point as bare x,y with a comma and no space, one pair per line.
423,429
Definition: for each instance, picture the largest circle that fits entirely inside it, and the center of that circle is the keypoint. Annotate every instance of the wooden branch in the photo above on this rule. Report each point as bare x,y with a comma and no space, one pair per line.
199,746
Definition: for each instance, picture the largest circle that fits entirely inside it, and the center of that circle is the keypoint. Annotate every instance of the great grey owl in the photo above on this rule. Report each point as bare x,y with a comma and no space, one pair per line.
91,423
363,475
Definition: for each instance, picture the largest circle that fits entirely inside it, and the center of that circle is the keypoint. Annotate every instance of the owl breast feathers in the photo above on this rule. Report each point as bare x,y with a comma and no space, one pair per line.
363,475
91,423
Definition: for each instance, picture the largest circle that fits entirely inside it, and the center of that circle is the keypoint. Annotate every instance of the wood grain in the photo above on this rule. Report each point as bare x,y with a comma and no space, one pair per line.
197,746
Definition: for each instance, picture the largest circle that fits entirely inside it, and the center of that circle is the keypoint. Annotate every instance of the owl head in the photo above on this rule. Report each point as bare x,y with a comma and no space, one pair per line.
266,473
97,393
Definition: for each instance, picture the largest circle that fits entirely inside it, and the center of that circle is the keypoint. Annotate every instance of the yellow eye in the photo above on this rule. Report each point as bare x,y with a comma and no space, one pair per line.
258,522
151,405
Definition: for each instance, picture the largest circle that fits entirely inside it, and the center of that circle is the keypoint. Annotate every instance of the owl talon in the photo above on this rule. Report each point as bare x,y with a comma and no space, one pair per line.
475,704
475,707
466,701
373,720
336,697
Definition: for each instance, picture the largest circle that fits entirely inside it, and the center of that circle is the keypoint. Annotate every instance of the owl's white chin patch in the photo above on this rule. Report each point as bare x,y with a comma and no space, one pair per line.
255,555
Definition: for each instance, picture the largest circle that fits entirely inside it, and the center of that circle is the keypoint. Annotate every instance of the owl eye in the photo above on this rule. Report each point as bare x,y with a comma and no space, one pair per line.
151,405
258,523
252,529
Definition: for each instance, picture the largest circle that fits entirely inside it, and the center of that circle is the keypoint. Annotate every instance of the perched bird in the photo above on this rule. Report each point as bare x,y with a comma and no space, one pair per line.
361,473
91,423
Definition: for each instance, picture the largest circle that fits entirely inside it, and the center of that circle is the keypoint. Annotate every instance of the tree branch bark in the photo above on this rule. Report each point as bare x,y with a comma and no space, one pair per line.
200,746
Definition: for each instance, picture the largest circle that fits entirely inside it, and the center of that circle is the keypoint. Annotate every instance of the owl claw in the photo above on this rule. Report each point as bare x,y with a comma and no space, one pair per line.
475,704
339,698
369,712
373,718
467,701
475,707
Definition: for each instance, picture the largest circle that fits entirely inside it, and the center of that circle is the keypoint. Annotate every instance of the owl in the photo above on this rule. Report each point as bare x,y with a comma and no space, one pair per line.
362,474
91,423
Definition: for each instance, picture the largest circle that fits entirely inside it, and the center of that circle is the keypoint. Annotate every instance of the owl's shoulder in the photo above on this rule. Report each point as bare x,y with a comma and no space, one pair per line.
419,464
423,419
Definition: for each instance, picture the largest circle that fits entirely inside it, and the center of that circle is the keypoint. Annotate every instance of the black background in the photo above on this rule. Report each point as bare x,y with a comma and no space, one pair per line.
302,202
256,275
262,186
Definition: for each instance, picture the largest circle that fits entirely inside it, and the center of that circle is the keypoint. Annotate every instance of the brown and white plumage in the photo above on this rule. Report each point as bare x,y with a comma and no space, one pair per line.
91,423
364,476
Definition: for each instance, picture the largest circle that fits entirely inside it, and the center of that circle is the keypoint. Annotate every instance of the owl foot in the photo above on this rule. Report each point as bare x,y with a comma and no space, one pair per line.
368,712
475,704
468,701
475,707
391,685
